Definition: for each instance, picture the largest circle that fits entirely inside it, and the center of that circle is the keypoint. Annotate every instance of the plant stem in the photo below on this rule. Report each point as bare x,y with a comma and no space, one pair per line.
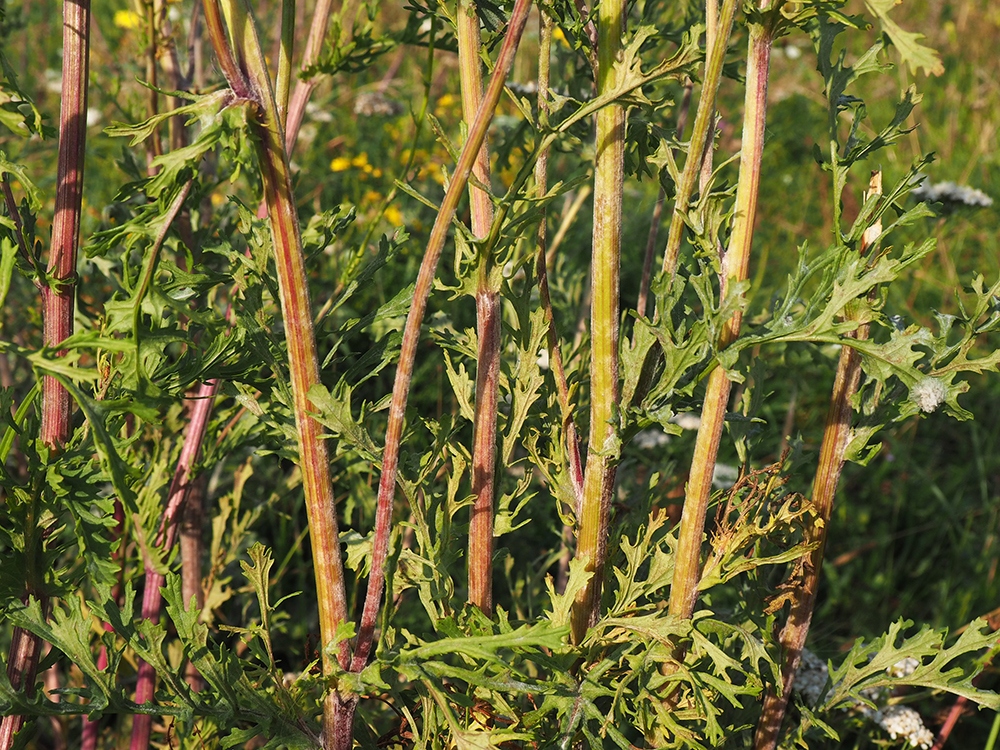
411,330
487,325
836,435
654,223
191,546
153,146
703,125
223,51
177,495
571,437
687,559
58,292
284,78
304,86
609,171
303,367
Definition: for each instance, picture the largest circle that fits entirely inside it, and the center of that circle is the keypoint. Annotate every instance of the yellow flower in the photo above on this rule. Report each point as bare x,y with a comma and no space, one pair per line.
394,216
360,161
447,100
340,163
376,173
559,35
127,19
218,199
372,196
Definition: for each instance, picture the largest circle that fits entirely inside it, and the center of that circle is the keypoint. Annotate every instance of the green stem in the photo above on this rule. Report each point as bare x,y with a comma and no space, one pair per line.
487,326
571,437
687,567
303,367
654,224
703,125
836,435
609,173
411,330
284,78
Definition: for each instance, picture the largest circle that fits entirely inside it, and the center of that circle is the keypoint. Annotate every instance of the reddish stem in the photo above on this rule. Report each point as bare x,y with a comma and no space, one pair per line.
151,597
411,331
58,295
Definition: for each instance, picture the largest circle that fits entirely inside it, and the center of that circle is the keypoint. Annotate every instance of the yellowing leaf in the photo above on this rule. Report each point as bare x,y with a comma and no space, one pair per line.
914,54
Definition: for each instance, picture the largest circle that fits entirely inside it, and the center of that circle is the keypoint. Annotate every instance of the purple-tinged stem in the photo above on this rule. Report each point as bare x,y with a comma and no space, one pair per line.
180,486
58,297
59,294
191,546
220,43
411,331
836,435
304,86
487,325
314,463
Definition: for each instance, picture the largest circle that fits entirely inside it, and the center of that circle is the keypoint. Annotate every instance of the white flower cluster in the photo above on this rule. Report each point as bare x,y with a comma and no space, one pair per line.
650,439
904,667
375,103
899,722
810,677
902,722
928,394
951,193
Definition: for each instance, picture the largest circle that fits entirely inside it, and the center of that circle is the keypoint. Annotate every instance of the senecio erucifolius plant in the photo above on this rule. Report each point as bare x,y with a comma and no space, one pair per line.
341,410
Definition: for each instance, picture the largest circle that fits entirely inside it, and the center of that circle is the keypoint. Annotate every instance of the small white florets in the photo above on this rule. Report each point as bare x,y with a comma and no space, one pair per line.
928,394
904,723
899,722
951,193
904,667
810,677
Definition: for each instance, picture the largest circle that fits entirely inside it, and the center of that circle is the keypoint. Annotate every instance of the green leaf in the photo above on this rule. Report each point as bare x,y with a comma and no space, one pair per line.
914,54
868,665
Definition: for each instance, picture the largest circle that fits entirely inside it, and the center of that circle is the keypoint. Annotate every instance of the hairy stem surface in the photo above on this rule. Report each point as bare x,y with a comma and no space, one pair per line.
599,476
487,325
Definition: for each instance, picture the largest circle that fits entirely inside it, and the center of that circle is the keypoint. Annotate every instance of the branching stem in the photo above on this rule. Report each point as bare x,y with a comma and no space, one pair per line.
703,125
687,565
836,435
414,319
